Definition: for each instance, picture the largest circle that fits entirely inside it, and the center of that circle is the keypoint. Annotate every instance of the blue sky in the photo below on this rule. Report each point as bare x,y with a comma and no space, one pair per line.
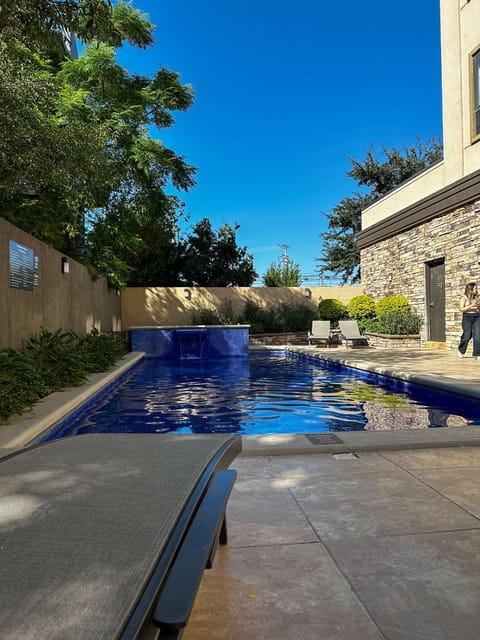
285,93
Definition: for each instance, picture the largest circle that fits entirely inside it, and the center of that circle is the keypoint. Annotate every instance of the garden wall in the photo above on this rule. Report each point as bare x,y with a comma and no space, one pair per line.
175,305
46,297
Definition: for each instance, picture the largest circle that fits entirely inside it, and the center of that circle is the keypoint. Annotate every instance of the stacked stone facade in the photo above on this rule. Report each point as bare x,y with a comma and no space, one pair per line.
455,237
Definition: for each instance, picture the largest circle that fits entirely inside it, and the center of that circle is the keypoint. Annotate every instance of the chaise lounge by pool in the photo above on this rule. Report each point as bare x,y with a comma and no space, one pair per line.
107,536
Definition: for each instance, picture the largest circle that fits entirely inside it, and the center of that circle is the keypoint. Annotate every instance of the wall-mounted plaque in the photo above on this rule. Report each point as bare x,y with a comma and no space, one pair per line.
21,266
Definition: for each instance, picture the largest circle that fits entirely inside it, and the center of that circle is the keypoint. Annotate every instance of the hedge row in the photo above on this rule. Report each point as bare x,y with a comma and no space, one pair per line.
51,362
390,315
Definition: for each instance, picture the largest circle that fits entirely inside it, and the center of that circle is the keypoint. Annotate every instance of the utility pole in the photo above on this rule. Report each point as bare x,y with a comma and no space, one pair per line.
284,258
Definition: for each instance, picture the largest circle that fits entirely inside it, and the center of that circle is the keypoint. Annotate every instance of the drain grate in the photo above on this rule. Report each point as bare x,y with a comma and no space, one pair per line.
324,438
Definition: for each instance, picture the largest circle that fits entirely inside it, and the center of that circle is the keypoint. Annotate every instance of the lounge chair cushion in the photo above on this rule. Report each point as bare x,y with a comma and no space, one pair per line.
83,521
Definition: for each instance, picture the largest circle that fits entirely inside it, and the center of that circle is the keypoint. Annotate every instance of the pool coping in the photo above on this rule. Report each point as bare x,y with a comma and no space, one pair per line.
22,430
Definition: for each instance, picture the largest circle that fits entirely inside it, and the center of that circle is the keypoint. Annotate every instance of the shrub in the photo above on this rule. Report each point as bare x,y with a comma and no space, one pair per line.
400,323
361,307
390,304
55,357
260,320
370,325
206,315
294,317
20,383
331,309
99,352
51,362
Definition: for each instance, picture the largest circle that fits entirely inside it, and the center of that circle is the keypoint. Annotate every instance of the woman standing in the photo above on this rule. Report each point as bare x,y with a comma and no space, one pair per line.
469,306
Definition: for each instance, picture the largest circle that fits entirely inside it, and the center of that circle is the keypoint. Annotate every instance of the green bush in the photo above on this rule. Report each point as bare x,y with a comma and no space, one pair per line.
370,325
20,383
331,309
260,320
400,323
51,362
99,352
56,359
206,315
294,317
360,307
386,306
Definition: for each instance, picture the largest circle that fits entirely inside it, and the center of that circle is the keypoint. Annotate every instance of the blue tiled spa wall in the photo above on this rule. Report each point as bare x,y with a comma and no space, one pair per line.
184,343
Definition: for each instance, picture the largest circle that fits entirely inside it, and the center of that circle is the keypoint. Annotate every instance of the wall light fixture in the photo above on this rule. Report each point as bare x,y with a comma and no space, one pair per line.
187,294
65,265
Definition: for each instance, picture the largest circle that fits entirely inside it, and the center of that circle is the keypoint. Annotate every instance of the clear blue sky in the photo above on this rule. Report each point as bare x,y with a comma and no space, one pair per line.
285,93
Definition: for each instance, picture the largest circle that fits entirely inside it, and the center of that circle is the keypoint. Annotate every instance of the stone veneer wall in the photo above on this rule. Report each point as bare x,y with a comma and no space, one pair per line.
454,237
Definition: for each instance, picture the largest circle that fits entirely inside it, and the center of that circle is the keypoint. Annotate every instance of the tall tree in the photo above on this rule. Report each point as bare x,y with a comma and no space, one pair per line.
283,274
74,134
212,258
378,175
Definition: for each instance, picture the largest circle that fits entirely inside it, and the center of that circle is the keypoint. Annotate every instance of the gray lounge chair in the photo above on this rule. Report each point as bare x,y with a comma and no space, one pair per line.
351,333
320,332
106,536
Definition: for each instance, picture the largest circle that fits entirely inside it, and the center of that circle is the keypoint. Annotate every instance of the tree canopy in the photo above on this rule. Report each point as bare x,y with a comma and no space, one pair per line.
78,166
378,176
283,274
211,258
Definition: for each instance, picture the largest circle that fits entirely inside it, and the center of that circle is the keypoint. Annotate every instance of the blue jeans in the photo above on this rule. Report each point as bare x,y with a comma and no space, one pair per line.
471,329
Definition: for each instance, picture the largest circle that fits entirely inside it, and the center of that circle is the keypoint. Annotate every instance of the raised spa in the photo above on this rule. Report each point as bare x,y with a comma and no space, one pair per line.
189,342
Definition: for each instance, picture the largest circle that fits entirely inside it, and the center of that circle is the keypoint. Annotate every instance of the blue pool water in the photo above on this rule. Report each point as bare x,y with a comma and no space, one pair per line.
268,392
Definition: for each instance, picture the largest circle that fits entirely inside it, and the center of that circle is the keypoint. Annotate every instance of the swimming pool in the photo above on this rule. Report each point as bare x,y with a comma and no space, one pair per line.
268,392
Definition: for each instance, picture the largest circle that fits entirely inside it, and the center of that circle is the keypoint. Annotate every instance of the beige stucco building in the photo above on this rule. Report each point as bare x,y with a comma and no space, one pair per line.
422,240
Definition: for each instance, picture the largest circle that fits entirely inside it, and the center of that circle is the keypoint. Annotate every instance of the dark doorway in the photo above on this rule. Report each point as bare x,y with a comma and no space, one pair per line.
435,279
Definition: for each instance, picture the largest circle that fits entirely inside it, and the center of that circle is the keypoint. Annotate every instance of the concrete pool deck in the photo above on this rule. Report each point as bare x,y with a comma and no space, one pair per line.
380,542
376,544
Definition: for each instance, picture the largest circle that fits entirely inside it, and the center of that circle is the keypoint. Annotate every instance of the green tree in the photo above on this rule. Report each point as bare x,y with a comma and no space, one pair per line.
283,274
212,258
76,155
378,176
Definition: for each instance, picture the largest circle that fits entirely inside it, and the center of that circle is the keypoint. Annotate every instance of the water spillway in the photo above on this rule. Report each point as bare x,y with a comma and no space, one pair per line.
188,342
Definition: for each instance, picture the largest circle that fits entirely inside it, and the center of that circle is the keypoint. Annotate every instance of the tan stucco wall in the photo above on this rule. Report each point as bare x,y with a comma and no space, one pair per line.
460,35
69,301
160,306
452,237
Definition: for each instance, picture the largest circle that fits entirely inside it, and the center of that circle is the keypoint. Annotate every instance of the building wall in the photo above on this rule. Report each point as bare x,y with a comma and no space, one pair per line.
70,301
168,305
460,36
453,237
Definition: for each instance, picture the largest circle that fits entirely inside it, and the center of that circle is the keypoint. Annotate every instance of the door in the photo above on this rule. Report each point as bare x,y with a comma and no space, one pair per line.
435,280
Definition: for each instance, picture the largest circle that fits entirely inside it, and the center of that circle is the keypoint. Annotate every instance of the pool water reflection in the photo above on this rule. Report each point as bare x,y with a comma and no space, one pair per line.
268,392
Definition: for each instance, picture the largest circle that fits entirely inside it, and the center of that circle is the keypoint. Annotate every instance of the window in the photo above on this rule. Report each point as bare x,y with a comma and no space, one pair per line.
476,94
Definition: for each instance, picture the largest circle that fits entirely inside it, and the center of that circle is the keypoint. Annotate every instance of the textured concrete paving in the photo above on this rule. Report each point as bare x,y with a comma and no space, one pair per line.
359,546
383,545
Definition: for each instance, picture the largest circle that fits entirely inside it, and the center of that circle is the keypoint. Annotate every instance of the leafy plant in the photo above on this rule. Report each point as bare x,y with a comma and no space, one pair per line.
51,362
294,317
260,320
20,383
55,357
370,325
331,309
285,274
390,304
206,315
99,352
400,323
360,307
